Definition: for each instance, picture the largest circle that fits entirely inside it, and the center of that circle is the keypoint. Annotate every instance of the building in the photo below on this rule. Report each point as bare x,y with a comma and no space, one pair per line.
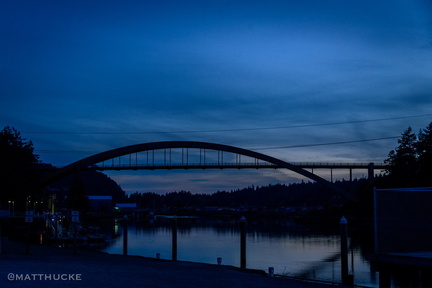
126,207
101,203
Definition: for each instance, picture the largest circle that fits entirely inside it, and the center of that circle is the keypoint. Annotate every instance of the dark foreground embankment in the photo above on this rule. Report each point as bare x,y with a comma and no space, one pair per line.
52,267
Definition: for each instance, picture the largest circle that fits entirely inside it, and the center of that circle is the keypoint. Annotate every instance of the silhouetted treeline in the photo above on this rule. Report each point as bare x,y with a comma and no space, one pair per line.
410,163
305,194
18,173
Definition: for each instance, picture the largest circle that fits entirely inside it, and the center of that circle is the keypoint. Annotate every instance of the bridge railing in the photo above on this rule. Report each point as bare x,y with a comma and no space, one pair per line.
339,165
256,164
183,165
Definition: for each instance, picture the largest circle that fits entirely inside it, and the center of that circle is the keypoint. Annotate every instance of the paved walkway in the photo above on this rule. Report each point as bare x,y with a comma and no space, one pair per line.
53,267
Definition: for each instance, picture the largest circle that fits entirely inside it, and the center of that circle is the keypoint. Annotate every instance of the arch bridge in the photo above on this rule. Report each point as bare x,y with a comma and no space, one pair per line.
194,155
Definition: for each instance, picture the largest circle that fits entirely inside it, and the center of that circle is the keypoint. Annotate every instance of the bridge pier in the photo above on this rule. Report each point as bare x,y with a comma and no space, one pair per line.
371,172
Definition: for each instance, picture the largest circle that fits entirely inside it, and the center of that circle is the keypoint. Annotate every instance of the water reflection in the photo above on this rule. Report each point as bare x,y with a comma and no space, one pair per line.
293,250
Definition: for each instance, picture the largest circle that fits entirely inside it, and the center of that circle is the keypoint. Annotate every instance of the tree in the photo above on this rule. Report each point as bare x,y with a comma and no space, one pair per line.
18,163
403,160
424,151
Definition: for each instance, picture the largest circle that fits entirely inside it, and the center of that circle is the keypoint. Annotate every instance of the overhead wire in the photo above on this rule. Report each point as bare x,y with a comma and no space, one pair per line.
226,130
253,149
237,130
326,144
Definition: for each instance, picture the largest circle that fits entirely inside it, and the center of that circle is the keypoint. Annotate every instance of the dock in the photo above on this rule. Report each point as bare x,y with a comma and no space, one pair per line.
413,259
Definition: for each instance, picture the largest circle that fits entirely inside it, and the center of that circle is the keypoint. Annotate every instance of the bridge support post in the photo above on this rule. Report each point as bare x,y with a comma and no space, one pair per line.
371,172
243,242
174,240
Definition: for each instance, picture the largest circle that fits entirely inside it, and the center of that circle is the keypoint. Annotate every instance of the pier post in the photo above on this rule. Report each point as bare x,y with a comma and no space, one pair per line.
125,235
174,240
346,278
243,242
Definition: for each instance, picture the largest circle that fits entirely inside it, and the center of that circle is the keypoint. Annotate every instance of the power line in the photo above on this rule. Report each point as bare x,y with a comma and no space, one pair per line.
327,144
225,130
263,148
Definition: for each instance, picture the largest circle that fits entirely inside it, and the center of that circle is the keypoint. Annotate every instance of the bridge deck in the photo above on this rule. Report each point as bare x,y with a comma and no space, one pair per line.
172,166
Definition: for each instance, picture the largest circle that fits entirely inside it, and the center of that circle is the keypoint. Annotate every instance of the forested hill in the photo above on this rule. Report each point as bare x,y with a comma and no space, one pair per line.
271,197
92,183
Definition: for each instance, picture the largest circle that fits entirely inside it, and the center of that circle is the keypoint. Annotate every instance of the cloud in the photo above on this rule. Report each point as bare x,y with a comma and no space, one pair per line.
206,70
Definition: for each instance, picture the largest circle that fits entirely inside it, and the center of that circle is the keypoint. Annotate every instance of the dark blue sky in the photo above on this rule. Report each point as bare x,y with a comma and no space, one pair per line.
81,77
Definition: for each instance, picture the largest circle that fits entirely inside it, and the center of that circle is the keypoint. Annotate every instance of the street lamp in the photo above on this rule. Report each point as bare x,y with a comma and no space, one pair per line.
27,202
13,208
34,207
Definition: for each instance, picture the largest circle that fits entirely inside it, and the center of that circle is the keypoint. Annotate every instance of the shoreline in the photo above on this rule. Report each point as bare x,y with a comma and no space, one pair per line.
100,269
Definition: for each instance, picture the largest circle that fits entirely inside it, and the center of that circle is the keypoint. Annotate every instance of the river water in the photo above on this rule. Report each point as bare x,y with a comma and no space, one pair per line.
291,249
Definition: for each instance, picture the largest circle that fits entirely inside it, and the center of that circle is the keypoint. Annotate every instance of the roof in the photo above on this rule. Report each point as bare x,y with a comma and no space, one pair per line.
100,197
126,205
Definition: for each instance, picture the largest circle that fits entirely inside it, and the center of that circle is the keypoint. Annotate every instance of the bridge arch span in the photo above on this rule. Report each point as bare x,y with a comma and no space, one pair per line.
103,156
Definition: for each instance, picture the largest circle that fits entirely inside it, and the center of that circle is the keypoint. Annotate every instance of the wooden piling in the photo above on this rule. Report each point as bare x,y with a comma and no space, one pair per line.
243,242
346,278
174,239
